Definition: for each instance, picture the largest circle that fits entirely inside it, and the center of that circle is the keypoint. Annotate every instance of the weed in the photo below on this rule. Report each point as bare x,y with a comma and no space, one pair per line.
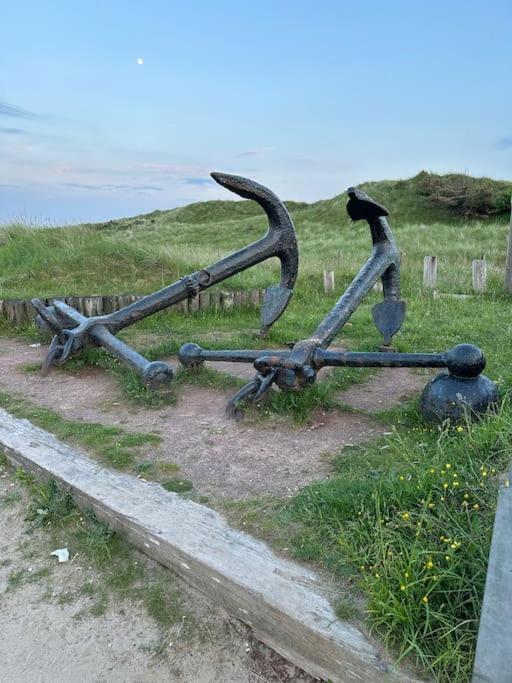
10,499
96,540
51,505
177,485
15,579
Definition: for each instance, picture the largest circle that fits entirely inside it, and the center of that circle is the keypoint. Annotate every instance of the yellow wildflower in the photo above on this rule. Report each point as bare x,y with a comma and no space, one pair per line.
476,506
405,516
429,564
424,599
460,429
447,465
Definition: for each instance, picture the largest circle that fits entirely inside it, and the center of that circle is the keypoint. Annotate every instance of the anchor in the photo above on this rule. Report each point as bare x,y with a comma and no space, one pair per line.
447,396
73,331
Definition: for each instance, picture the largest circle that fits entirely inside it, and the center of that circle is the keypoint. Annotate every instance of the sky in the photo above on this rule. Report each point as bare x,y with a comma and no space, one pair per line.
304,97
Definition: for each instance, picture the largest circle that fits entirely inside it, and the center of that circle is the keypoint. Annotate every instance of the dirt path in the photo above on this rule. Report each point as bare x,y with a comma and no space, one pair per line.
50,634
223,458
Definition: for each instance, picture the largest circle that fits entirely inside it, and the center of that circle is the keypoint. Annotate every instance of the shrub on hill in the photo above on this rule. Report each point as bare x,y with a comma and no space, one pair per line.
463,195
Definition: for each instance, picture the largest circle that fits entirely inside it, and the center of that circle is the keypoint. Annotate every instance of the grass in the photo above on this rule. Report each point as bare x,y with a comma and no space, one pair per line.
112,445
409,518
361,524
122,575
112,258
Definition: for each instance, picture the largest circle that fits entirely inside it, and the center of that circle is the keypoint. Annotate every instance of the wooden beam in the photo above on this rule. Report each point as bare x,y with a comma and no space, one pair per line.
282,602
493,659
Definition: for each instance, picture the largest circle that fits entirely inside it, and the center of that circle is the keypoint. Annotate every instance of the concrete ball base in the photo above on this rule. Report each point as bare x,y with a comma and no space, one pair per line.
450,397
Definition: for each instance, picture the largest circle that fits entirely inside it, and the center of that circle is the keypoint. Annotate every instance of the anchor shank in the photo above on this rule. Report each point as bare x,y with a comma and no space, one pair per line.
382,258
192,284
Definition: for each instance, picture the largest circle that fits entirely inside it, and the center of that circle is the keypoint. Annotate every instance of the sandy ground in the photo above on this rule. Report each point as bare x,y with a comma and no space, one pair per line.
224,459
48,634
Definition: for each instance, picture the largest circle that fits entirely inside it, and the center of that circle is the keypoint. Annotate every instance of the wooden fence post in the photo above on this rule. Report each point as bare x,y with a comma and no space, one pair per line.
227,299
508,268
479,273
328,281
430,272
204,301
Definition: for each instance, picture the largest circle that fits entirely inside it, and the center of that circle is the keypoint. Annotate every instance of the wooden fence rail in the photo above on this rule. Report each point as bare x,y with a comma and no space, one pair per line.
21,311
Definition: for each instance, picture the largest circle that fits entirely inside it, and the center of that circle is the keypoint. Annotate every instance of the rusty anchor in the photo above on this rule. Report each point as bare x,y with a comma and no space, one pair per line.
295,369
447,396
73,331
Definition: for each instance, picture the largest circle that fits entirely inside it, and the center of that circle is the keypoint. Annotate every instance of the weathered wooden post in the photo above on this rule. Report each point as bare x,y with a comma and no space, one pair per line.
204,301
508,269
479,273
227,299
328,281
430,272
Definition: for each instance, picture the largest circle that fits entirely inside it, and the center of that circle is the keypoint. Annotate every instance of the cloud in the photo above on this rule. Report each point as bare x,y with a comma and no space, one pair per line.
198,181
504,143
108,187
12,131
16,112
254,152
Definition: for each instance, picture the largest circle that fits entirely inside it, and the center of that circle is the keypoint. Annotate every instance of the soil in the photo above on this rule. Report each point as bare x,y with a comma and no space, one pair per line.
224,459
50,635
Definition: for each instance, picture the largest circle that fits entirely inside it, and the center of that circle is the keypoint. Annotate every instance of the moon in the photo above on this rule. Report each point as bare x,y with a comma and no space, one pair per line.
140,61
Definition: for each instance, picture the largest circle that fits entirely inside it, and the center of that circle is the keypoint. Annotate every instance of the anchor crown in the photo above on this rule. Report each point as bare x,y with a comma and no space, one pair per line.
360,206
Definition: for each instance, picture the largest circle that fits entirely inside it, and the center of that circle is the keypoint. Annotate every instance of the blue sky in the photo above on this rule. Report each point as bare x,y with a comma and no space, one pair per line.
306,97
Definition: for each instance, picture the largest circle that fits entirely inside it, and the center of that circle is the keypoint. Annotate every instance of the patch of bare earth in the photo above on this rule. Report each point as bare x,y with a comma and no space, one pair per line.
223,458
50,635
385,389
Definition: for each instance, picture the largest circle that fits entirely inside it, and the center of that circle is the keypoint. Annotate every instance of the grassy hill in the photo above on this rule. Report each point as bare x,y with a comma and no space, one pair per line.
465,215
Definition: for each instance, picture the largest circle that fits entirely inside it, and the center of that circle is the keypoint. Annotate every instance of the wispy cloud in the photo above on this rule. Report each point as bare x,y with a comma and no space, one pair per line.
254,152
12,131
16,112
110,187
504,143
198,181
